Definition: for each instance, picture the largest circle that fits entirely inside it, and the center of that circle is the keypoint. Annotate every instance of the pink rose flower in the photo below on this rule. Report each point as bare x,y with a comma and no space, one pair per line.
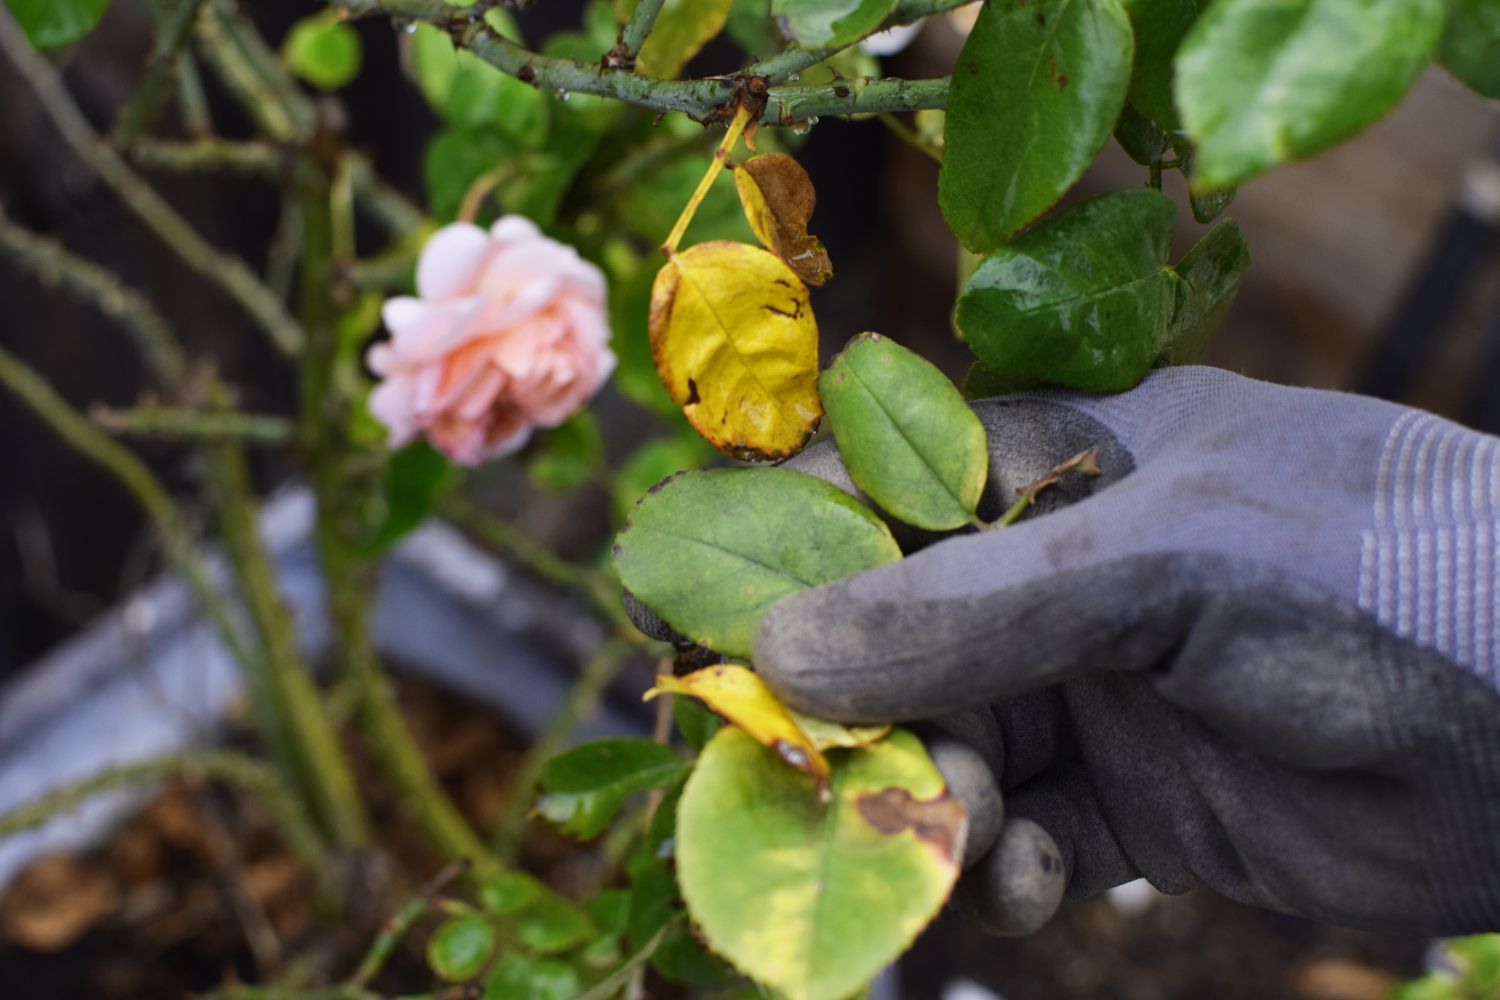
508,332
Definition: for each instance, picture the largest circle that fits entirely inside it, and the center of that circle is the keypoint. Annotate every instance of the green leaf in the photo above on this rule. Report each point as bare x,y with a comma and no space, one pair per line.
1082,300
751,28
1260,82
710,551
1159,26
982,383
829,24
510,893
553,923
696,723
654,461
682,28
910,441
1142,141
323,50
652,202
568,455
1036,91
416,478
1211,273
813,899
460,946
519,977
1470,48
51,23
584,787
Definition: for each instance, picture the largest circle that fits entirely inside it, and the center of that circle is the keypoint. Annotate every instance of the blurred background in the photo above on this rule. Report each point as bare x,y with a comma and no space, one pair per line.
1376,267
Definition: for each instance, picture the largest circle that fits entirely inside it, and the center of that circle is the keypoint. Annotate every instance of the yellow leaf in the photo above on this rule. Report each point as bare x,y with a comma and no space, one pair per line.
736,345
740,696
778,197
827,735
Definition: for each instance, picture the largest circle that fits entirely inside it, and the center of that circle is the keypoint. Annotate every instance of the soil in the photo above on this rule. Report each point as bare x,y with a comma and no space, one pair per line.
196,891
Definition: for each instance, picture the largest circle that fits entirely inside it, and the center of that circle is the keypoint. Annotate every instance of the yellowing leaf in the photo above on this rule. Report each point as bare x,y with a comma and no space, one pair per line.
827,735
778,197
740,696
736,345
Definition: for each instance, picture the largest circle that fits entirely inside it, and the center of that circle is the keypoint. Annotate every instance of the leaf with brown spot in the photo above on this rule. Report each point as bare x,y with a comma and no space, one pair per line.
736,345
778,197
939,821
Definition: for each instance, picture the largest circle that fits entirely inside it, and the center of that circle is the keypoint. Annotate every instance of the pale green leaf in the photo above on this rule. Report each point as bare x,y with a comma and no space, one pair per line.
583,788
821,24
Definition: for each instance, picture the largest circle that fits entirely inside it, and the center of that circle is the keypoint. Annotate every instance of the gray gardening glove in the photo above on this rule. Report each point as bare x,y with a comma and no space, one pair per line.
1263,656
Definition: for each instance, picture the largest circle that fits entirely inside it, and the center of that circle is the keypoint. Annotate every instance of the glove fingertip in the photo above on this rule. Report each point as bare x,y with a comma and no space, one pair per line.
970,780
1015,888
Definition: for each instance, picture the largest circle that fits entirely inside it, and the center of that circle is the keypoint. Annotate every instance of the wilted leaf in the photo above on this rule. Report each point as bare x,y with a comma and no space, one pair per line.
1260,83
1159,27
582,788
808,898
778,197
1036,92
909,440
829,24
827,735
743,698
1471,44
323,50
1211,273
1082,300
710,551
51,23
681,29
736,345
460,946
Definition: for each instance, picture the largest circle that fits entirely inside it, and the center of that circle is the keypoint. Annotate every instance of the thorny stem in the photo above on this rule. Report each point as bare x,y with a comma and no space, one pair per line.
155,89
130,472
228,272
720,160
598,672
176,422
292,712
52,264
400,922
633,35
254,75
255,778
702,100
247,159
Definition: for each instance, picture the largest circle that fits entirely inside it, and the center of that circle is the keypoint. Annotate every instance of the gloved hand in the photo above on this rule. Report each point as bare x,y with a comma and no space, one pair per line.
1262,656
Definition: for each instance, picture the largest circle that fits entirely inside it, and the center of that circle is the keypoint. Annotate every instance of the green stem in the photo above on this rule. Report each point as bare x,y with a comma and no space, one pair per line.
910,137
292,709
256,779
392,209
173,422
399,924
633,35
227,271
192,101
155,89
254,75
128,470
52,264
247,159
795,59
701,100
598,672
323,413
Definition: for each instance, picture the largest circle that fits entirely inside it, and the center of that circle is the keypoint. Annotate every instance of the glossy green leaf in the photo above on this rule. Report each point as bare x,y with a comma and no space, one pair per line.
813,899
460,947
1470,48
416,478
1260,82
1082,300
1160,26
567,456
51,23
1210,275
519,977
1142,141
584,787
1035,94
823,24
323,50
710,551
909,440
681,29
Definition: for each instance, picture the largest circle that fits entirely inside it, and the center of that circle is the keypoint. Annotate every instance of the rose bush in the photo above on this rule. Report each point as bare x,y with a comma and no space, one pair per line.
507,332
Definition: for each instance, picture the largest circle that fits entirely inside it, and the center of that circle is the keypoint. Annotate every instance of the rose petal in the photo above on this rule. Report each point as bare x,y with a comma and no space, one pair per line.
511,228
451,259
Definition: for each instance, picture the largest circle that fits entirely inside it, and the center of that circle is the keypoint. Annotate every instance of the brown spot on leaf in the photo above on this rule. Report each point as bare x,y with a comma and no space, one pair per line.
693,397
939,821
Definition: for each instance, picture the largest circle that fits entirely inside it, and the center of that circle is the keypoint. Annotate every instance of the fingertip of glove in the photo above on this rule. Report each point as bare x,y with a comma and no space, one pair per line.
1015,888
970,780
